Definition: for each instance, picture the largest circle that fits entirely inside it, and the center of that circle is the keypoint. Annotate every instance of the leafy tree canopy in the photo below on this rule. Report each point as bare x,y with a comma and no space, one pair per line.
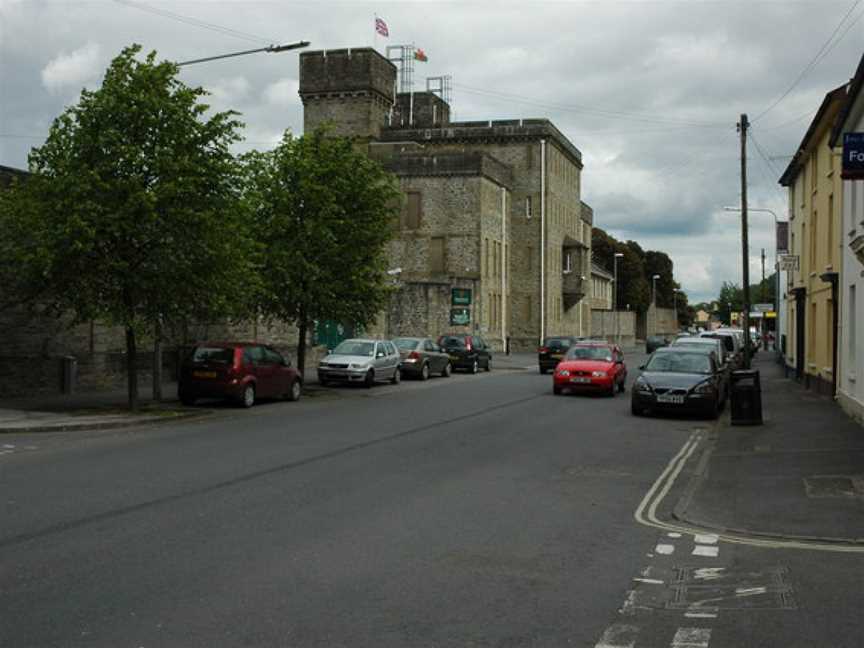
323,213
130,214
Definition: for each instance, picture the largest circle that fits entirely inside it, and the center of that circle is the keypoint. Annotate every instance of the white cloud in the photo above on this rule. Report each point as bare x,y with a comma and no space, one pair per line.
229,91
73,69
282,93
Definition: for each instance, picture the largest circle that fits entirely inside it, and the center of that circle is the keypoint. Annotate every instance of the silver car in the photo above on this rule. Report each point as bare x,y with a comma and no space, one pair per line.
362,361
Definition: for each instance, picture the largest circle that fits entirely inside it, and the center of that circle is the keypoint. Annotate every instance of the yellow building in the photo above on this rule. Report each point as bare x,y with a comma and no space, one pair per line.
815,192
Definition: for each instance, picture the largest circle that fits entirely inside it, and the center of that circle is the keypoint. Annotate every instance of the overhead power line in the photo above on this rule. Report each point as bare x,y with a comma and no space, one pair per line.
827,46
587,110
195,22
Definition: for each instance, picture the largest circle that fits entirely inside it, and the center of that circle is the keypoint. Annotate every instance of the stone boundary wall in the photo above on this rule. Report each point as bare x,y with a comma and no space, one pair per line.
603,326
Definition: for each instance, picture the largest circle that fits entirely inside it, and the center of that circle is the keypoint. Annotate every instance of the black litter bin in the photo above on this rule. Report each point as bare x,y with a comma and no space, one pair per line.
746,395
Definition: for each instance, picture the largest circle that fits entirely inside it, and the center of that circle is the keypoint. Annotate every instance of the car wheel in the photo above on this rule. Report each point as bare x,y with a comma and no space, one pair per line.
556,390
294,391
322,382
397,376
542,371
424,372
187,400
489,364
369,380
475,367
448,369
611,392
635,411
621,386
248,398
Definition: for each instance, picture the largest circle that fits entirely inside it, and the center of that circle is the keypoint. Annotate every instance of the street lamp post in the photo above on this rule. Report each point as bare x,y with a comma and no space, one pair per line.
271,49
654,299
617,256
777,221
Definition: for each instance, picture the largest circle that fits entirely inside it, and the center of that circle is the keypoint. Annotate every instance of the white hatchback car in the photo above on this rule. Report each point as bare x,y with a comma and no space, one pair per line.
361,360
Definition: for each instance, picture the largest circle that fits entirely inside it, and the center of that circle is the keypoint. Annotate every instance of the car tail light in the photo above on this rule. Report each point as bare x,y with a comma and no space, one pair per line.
468,344
414,355
543,350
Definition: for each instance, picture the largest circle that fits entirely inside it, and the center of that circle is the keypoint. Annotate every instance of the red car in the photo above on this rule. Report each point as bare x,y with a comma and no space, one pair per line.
240,371
591,367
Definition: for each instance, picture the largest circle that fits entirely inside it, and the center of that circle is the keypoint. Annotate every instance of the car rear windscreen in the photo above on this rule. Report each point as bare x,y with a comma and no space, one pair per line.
452,341
220,355
557,343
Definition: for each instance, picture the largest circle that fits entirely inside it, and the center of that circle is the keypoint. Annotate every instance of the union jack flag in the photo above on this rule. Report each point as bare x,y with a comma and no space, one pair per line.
381,27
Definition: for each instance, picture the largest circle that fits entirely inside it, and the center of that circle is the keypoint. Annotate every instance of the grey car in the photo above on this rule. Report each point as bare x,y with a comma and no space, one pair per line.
364,361
421,357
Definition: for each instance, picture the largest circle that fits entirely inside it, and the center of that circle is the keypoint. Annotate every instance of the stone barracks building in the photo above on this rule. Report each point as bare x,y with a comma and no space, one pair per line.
494,238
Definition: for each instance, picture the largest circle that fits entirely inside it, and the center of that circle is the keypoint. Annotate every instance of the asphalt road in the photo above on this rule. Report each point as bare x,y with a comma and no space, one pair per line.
471,511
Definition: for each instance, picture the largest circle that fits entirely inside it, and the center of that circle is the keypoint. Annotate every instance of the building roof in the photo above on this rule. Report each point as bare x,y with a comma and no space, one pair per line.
852,90
450,164
599,270
485,131
827,109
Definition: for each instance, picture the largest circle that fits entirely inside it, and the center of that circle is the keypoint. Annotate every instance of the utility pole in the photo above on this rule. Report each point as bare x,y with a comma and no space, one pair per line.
764,291
745,255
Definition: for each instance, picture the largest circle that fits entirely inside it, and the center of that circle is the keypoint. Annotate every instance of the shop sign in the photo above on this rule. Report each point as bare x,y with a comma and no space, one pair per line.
461,296
460,316
853,156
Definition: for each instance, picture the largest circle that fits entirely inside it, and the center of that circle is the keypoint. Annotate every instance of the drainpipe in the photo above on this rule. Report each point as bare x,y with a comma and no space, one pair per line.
542,241
504,269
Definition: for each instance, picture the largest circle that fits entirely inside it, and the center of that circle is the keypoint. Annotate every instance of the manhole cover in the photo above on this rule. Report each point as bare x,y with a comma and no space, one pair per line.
834,486
721,589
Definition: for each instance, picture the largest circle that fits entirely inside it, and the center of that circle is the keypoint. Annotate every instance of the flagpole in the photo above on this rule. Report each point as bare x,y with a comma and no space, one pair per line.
375,26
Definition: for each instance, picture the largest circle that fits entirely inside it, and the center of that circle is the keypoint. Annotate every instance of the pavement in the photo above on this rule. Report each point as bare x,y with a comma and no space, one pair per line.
798,476
107,409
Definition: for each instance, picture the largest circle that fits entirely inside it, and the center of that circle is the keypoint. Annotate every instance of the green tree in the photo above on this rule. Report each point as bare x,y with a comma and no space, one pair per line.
730,300
659,263
130,212
323,213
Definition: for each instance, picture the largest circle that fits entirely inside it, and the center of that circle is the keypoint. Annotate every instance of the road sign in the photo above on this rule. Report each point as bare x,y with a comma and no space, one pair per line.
763,308
853,156
788,262
460,316
460,296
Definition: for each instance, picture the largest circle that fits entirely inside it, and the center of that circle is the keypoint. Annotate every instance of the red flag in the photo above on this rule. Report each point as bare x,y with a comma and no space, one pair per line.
381,27
420,55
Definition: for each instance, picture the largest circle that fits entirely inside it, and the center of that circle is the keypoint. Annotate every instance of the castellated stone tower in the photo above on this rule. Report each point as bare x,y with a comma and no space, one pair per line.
351,88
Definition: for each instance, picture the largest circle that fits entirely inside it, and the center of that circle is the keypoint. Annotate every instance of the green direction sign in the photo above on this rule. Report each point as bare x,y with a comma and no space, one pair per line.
461,296
460,316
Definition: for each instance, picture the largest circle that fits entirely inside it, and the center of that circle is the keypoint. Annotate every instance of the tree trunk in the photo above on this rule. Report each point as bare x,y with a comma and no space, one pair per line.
157,362
303,326
131,369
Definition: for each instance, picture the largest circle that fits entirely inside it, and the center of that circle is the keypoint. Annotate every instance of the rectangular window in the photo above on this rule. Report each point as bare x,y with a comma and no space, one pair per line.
486,257
436,254
829,260
814,232
528,212
568,267
814,172
412,211
853,348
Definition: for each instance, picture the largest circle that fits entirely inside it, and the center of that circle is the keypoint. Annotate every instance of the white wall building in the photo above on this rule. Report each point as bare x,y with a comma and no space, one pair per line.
850,383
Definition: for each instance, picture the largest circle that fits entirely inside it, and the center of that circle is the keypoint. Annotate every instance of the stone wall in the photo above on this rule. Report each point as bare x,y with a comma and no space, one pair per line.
604,325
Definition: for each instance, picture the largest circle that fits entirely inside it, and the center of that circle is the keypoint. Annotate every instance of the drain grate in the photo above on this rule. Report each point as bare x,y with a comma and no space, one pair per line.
720,589
818,486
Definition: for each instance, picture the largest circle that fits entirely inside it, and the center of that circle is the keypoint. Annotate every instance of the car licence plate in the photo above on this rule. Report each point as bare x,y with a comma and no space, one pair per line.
667,398
454,357
204,374
580,380
557,356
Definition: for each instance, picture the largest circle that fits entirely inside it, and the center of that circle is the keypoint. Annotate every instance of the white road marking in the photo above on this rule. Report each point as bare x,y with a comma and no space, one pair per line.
664,549
750,591
618,635
700,615
708,573
691,638
650,581
708,538
708,552
674,535
8,445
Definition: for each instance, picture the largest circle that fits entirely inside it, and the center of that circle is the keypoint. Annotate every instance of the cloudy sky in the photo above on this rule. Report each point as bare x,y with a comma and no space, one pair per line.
650,91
